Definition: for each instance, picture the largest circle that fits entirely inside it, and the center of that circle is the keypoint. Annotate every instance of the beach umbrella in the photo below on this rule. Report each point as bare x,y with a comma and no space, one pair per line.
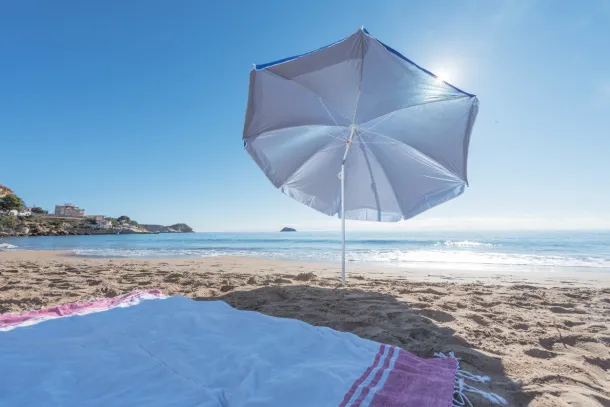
356,129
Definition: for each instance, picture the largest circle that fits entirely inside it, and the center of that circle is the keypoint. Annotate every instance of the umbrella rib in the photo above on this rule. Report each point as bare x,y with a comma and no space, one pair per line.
362,38
444,129
312,92
385,175
293,173
345,134
436,163
386,116
268,133
373,183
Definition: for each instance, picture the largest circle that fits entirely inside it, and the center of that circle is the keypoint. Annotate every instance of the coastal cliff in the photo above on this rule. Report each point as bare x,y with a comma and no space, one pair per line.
49,225
16,219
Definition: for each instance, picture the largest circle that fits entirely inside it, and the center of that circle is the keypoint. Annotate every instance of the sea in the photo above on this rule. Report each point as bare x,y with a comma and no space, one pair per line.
464,250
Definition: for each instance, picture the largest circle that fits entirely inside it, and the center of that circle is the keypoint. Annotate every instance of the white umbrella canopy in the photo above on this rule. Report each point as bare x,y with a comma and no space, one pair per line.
357,130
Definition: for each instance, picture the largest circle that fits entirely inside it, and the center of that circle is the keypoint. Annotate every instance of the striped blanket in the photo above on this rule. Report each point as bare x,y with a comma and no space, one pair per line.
174,351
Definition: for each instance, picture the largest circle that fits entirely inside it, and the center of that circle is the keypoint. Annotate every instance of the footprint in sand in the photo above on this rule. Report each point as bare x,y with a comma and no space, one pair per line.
563,310
172,278
540,353
523,287
571,324
62,286
479,319
305,277
563,341
437,315
448,306
577,296
600,362
430,291
521,326
596,328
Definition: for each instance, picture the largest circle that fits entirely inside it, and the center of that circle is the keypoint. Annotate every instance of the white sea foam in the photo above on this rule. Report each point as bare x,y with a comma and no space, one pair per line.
435,258
7,246
465,243
459,257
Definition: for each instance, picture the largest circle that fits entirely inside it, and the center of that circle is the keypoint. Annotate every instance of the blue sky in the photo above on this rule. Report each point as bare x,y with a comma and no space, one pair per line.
137,107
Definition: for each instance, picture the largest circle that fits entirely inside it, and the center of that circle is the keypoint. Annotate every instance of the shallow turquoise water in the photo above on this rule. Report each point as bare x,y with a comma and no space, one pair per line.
463,250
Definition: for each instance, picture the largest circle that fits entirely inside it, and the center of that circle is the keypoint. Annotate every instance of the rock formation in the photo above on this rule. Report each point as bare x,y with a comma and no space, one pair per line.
177,228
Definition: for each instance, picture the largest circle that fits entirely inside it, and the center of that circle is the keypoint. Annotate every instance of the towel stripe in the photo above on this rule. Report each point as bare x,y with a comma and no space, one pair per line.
366,373
369,399
377,378
13,320
370,377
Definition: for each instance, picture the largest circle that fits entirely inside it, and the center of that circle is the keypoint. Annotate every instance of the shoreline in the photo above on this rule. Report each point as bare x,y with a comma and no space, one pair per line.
573,278
89,232
541,341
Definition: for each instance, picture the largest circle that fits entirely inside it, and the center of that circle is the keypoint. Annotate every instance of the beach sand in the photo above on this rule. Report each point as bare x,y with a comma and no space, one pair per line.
543,339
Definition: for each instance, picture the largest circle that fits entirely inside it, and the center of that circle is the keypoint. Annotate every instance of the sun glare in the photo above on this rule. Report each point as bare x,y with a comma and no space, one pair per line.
442,76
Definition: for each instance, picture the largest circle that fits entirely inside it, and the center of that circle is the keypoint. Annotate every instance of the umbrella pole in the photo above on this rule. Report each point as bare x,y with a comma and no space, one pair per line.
347,146
343,223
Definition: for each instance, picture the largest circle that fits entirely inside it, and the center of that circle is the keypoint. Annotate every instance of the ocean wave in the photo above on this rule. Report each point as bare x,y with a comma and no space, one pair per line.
7,246
130,253
420,258
465,243
455,257
308,241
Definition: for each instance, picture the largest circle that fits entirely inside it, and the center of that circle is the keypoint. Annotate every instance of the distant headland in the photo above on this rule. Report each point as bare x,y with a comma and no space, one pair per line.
17,219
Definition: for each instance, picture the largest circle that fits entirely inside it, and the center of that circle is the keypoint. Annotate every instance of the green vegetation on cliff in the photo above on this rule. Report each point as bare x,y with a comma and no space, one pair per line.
11,202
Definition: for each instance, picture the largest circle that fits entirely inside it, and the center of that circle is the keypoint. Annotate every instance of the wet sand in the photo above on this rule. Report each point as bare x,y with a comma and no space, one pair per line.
544,339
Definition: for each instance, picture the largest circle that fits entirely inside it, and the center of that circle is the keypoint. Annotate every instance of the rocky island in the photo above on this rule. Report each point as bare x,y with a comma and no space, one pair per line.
287,229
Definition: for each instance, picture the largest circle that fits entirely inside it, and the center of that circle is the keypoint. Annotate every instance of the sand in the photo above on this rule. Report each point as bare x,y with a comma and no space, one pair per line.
543,339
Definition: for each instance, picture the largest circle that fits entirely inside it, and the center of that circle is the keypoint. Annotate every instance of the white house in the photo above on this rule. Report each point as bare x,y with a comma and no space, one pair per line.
100,222
15,212
104,224
25,212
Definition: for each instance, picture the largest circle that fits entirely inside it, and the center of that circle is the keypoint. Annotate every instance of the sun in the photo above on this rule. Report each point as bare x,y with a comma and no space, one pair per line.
442,76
